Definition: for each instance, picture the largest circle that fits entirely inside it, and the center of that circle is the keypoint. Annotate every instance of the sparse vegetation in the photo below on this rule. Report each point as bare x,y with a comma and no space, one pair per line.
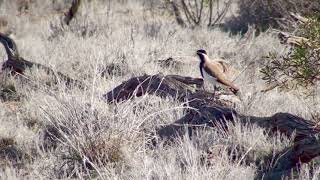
51,129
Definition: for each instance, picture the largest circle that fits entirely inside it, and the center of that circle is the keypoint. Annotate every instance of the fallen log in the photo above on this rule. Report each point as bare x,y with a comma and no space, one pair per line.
285,123
299,18
163,86
204,108
18,65
290,158
286,38
206,111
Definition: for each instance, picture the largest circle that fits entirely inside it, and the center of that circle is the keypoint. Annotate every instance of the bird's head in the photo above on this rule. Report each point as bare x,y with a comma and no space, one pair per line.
201,51
202,54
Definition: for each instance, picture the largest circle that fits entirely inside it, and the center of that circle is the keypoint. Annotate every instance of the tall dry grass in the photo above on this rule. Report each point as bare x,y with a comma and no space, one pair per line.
53,132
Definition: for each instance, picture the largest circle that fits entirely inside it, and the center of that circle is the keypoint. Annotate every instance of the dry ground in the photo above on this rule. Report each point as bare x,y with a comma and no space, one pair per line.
51,132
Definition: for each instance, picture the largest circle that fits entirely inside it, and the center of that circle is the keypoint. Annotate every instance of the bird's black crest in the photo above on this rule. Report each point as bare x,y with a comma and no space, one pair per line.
202,51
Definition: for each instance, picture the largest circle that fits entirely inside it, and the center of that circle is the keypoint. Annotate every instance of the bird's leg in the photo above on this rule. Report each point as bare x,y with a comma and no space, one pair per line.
203,87
214,91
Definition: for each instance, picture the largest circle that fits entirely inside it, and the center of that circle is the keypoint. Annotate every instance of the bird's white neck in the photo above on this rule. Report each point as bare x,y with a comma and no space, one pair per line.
203,58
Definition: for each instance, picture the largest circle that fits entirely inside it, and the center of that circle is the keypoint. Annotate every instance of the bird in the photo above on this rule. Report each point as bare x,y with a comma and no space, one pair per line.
213,71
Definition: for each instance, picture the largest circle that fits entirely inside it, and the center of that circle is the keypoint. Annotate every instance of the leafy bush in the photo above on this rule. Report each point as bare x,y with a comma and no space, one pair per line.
301,66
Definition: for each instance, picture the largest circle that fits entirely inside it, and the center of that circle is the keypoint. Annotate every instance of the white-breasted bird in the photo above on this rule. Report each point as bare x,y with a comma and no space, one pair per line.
213,72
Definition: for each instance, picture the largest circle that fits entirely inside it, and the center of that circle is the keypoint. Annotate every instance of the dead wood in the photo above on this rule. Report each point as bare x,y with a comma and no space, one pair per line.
204,107
170,62
18,65
290,158
206,111
285,123
292,40
72,11
270,87
299,18
199,11
163,86
177,13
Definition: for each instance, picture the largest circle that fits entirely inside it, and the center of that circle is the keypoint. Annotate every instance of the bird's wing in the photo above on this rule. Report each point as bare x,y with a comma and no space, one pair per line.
211,70
215,71
223,65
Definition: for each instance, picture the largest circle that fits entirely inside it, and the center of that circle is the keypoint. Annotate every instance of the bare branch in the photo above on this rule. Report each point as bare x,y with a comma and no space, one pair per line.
210,12
72,11
293,40
177,13
200,13
187,12
223,13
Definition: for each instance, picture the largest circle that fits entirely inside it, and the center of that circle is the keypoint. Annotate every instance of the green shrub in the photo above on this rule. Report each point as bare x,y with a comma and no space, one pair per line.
301,66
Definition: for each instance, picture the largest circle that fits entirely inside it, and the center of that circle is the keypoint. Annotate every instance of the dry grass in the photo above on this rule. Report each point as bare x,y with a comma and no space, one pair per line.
63,133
